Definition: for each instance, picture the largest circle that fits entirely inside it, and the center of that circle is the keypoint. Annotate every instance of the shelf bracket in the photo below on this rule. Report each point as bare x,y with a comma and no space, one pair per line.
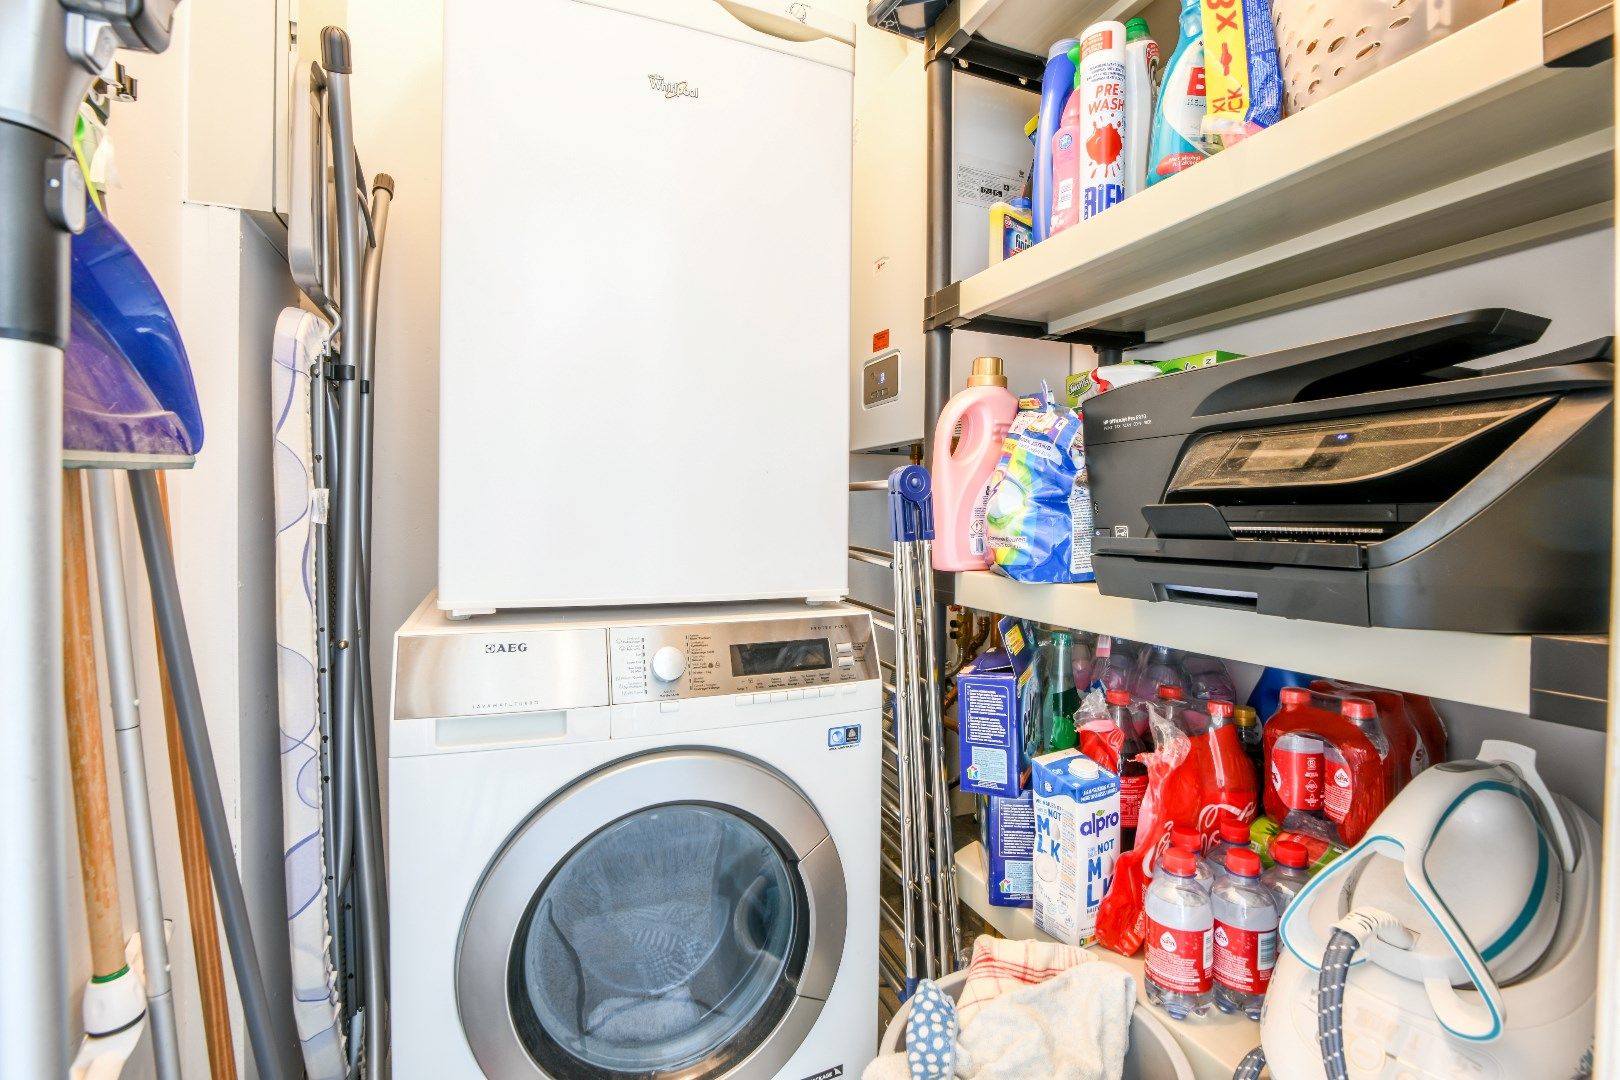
974,55
1577,33
944,309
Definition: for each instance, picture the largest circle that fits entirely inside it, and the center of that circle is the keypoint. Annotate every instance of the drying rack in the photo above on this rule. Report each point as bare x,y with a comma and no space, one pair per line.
920,936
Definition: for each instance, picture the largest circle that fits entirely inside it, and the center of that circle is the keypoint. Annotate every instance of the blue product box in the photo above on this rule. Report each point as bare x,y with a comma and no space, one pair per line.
993,720
1009,850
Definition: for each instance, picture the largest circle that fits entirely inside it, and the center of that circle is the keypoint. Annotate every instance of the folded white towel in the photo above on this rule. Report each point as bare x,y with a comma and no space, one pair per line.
1001,965
1076,1026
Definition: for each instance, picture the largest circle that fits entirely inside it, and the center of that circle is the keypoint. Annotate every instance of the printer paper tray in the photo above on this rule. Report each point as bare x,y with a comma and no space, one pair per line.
1330,586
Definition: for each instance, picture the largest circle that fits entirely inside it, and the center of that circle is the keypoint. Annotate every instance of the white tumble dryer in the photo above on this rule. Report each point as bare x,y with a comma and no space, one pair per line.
635,844
644,303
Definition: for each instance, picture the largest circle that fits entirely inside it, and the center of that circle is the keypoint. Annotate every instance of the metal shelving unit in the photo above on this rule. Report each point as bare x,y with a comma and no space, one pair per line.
1494,139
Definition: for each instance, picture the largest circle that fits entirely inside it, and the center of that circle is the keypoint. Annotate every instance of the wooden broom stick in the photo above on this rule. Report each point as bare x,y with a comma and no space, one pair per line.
194,864
87,756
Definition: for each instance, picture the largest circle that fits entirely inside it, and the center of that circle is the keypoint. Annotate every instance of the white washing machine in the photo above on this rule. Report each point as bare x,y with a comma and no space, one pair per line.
635,843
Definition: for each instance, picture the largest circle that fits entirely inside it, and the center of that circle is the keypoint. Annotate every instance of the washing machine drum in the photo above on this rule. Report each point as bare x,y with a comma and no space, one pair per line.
657,943
688,940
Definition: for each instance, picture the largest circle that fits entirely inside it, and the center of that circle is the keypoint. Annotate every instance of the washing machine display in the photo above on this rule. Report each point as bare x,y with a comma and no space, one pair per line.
676,660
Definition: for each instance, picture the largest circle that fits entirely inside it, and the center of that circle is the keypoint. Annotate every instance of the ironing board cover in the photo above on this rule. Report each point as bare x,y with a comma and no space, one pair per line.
298,339
127,386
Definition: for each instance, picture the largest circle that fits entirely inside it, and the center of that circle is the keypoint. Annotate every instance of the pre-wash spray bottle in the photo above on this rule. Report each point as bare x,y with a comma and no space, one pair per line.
962,473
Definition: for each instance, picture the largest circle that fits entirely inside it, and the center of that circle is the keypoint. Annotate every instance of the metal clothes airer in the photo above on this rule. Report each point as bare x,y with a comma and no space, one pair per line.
915,797
323,389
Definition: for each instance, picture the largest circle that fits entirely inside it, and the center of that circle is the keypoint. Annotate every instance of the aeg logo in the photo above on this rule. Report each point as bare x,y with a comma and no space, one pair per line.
506,647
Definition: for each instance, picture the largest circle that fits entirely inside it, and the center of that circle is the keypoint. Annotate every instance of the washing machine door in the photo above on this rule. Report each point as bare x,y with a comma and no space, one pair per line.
679,915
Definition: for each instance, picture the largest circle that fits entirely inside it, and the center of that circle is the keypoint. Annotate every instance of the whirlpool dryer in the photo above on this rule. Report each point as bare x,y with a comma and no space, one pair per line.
645,303
635,844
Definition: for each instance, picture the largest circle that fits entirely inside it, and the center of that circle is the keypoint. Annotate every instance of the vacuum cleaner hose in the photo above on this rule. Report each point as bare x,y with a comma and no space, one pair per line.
1341,948
1251,1065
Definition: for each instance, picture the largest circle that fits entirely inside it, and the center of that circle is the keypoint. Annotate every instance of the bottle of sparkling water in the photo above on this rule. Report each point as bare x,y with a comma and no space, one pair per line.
1062,699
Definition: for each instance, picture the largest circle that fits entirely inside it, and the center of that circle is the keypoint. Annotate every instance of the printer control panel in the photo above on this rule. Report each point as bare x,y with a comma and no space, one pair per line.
687,660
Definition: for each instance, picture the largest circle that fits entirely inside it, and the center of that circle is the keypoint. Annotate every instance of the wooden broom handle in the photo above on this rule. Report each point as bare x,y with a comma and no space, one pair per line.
194,865
87,756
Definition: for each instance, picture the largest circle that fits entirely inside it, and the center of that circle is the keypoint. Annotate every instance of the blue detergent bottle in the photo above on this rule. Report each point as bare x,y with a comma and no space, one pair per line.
1178,120
1056,85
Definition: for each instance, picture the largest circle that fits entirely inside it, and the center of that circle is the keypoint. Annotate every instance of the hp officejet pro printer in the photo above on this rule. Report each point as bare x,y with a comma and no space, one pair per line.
1369,481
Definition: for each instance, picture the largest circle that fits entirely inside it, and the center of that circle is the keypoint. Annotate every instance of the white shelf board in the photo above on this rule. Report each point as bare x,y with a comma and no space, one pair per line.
1467,147
1492,670
1214,1045
1031,26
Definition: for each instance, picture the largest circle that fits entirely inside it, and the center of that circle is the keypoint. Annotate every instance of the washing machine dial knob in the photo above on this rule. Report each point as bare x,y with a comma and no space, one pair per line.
668,664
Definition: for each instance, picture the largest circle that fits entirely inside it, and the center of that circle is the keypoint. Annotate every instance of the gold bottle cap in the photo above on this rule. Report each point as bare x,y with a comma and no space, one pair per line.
987,372
1247,717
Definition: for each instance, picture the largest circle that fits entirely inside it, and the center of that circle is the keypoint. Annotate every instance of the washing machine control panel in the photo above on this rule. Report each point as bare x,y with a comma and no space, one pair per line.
698,659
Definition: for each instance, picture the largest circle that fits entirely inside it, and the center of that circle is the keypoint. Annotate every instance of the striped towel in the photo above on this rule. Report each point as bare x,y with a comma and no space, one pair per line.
1000,965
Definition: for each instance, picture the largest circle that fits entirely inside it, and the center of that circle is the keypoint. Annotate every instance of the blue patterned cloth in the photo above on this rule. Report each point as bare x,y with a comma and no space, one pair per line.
931,1033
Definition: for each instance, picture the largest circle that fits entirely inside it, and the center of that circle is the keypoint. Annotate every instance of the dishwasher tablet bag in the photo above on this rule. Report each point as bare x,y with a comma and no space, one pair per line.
1242,73
1038,521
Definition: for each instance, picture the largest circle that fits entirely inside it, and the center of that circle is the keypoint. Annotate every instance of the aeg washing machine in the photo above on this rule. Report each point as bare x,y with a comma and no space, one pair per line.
635,844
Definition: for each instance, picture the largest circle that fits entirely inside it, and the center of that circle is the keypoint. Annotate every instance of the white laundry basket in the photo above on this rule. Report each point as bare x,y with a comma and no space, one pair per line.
1153,1055
1325,45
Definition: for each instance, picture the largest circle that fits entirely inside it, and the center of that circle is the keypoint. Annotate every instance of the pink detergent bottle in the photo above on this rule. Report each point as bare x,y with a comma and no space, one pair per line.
962,474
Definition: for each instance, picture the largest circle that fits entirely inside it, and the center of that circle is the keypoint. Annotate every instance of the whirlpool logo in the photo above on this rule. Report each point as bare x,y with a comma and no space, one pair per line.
671,89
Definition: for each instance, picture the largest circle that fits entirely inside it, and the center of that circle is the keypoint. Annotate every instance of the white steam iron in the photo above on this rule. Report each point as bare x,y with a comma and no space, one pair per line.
1458,939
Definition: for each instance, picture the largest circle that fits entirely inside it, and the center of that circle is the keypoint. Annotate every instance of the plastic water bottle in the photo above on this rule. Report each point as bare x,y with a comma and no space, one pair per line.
1180,938
1287,879
1234,836
1159,670
1188,839
1245,935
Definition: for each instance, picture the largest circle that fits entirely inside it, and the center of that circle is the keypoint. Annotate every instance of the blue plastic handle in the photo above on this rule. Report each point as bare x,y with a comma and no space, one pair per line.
911,504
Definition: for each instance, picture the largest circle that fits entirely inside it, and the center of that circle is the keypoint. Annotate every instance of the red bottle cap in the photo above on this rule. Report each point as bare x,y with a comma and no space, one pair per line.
1179,862
1118,697
1243,862
1219,709
1234,831
1171,693
1356,708
1186,838
1295,695
1290,853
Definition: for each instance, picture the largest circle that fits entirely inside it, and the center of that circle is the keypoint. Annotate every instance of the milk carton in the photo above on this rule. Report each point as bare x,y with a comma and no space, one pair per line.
1009,845
1076,843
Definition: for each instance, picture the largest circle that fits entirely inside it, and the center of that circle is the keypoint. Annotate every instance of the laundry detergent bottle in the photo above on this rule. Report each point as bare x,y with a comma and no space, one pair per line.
1178,119
962,473
1057,84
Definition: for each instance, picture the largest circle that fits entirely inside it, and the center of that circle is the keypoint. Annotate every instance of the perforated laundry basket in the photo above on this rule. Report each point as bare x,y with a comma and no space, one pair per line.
1153,1055
1326,45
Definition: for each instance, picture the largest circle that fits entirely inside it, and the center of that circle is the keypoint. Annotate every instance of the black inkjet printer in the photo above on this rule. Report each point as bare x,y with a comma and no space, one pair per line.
1369,480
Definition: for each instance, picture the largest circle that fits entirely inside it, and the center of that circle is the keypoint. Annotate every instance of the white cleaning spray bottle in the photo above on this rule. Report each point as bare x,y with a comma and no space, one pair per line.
1141,97
1101,87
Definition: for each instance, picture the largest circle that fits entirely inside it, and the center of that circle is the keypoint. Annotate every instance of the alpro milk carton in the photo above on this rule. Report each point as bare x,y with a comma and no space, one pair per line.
1076,843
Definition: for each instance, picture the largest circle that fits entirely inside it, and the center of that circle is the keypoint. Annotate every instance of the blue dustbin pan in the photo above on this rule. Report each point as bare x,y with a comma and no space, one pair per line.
127,386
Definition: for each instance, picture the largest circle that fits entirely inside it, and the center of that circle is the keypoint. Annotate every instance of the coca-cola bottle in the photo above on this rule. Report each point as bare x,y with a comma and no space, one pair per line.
1133,774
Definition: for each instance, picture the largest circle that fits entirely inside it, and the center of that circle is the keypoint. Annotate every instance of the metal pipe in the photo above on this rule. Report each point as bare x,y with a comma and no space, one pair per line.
907,835
39,93
126,712
872,556
267,1054
950,931
937,342
869,485
909,736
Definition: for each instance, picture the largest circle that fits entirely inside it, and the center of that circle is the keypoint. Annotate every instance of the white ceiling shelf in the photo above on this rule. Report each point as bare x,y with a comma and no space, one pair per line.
1493,670
1214,1045
1466,148
1031,26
